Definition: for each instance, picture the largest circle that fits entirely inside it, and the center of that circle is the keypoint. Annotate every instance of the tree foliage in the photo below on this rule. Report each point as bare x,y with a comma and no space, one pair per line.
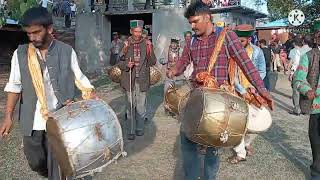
15,9
279,9
18,7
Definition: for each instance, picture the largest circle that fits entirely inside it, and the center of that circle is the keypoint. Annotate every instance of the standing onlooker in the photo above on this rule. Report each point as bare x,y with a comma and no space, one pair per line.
55,8
67,13
283,59
73,9
305,103
116,46
187,38
44,3
92,5
275,56
306,80
289,43
267,56
295,55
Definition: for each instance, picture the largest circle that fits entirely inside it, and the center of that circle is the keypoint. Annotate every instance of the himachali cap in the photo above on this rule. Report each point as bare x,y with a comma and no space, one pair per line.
244,30
115,33
136,23
316,25
175,40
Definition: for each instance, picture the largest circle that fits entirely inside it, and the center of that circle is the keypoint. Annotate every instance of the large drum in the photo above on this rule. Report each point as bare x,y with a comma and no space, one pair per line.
115,74
85,137
176,98
259,120
213,117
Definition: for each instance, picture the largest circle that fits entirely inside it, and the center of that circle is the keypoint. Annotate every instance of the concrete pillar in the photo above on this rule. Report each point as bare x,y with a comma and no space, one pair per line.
92,43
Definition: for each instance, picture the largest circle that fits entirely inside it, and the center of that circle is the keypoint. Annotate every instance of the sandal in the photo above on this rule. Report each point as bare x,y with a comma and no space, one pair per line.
250,151
235,159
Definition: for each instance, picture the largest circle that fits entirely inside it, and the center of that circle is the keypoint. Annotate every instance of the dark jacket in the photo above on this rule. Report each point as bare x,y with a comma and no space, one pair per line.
62,78
267,56
143,68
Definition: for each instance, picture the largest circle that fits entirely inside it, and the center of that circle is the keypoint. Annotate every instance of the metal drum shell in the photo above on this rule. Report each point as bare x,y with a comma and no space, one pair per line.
155,75
259,120
210,114
176,98
85,137
115,74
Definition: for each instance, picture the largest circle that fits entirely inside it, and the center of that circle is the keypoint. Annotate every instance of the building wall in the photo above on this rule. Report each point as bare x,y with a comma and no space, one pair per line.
233,19
167,24
92,42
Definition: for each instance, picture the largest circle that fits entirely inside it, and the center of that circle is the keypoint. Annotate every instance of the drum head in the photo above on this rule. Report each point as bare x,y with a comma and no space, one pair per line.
260,119
85,137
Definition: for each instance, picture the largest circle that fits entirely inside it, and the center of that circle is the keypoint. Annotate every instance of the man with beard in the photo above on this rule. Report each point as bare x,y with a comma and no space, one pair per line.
306,80
200,51
245,31
56,64
136,58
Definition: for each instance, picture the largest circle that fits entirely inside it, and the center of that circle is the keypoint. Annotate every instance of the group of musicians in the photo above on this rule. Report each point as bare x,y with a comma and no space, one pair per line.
55,64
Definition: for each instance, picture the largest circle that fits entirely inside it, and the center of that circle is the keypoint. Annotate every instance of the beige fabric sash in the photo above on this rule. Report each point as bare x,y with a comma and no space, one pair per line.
37,81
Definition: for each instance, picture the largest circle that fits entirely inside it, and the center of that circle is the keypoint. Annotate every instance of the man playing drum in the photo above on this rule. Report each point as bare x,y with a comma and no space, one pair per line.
55,65
137,57
173,56
199,16
245,32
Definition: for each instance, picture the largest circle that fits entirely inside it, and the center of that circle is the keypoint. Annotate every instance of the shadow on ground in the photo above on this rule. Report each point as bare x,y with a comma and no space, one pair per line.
277,137
140,143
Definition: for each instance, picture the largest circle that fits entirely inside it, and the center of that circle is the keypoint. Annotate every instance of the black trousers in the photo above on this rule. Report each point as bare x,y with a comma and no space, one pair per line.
314,136
39,155
67,20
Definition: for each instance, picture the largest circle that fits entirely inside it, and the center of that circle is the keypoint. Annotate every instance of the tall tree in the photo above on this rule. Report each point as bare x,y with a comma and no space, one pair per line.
281,8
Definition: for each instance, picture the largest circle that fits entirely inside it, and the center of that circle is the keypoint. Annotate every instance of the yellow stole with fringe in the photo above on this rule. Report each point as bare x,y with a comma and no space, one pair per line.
37,81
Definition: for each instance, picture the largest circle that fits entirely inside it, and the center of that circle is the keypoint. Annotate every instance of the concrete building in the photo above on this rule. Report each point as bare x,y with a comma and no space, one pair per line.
163,19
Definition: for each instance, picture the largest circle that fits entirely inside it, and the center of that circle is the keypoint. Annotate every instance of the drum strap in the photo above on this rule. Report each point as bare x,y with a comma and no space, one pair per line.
205,77
37,81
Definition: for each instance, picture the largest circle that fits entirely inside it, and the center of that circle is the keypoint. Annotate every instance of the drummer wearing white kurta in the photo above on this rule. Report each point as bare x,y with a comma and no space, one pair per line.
43,76
242,86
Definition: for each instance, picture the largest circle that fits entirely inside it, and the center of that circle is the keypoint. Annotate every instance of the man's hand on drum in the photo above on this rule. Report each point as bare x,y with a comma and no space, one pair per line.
171,73
268,98
94,96
130,64
6,126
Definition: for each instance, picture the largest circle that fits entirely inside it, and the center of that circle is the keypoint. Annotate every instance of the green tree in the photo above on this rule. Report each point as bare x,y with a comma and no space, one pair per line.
18,7
311,11
280,8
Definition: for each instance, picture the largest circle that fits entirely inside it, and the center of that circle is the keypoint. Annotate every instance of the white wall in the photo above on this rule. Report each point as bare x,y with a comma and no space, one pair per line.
92,41
167,24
